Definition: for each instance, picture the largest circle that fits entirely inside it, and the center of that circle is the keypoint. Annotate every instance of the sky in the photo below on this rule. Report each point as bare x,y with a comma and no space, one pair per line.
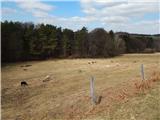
133,16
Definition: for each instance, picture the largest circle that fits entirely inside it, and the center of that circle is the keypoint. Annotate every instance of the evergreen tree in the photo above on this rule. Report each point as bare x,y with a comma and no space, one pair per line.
68,42
81,42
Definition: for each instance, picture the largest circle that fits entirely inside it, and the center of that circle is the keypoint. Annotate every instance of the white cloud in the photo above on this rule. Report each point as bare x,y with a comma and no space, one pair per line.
110,14
114,19
41,11
120,14
74,22
39,14
144,27
34,4
118,8
144,1
6,11
147,27
36,8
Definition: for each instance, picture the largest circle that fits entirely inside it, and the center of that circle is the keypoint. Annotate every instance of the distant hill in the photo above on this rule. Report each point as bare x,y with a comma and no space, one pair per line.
154,36
123,33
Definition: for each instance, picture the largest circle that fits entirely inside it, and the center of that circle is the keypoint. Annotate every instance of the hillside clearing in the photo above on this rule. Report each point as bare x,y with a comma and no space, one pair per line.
66,95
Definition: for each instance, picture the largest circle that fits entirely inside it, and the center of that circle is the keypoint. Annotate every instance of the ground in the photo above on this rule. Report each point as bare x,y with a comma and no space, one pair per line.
65,94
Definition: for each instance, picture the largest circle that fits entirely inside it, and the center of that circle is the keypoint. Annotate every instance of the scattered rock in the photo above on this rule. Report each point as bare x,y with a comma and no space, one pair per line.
47,78
107,66
117,64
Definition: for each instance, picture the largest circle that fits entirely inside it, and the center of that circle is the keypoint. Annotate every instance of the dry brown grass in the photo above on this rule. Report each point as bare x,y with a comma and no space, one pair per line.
66,95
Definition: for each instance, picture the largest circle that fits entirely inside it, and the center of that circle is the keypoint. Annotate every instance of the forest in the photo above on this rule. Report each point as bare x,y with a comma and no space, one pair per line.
27,41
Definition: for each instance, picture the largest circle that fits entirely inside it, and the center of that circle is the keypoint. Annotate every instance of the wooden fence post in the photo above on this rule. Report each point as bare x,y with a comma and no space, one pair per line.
142,72
93,97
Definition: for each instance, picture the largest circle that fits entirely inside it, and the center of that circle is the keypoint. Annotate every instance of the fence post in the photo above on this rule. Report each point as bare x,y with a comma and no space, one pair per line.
93,97
142,72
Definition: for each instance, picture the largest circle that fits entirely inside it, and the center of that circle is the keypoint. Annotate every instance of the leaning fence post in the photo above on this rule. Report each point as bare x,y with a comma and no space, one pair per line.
93,97
142,72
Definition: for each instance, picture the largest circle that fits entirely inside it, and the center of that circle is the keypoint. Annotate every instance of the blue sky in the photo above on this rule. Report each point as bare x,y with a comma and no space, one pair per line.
140,16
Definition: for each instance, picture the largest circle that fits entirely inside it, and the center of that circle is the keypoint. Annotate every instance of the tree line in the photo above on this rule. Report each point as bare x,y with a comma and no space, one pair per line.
26,41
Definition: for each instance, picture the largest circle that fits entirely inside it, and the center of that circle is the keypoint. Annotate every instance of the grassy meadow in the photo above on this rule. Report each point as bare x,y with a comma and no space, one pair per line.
66,95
